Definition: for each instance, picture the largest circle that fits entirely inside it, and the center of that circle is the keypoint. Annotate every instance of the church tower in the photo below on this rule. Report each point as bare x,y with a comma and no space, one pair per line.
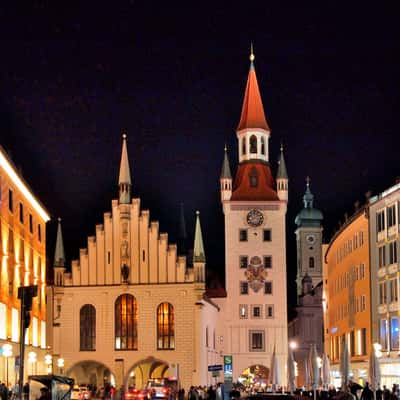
59,258
309,243
254,312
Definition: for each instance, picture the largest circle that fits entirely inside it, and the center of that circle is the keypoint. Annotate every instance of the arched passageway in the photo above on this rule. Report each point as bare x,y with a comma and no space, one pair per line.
91,373
149,368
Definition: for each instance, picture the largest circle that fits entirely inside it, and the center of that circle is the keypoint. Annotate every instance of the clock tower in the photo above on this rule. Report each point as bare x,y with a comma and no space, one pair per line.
309,244
254,312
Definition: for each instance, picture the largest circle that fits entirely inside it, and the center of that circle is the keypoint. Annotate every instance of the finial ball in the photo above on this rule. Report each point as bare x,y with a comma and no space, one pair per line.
124,136
197,212
252,57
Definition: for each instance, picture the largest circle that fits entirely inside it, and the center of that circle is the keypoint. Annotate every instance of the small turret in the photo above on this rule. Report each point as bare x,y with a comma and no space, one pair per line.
124,181
59,258
199,258
226,179
282,179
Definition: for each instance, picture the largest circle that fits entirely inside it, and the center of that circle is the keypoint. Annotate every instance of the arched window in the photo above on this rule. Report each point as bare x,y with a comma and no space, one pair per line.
262,146
165,327
253,178
126,316
244,146
253,144
311,262
87,325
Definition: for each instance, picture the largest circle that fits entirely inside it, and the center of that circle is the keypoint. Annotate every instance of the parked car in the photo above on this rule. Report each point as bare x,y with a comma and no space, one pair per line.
159,389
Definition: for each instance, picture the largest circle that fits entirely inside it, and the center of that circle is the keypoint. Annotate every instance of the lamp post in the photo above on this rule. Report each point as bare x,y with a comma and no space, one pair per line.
48,360
60,365
7,352
32,358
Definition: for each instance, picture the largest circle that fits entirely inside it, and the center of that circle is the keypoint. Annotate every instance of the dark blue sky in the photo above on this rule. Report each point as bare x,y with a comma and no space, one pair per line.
174,76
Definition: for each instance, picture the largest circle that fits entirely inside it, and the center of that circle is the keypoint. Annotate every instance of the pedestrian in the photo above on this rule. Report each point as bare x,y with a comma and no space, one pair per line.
367,393
3,391
25,391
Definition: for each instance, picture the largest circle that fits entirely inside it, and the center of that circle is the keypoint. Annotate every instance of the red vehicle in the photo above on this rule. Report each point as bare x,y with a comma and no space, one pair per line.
136,394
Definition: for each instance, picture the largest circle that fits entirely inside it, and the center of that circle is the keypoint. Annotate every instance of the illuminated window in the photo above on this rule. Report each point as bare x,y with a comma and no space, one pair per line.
243,311
43,334
39,233
14,325
35,332
30,223
126,322
394,334
87,324
253,144
3,321
166,327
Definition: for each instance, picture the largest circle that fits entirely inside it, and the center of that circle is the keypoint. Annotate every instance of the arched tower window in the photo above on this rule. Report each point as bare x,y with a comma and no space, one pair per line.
253,178
87,325
244,146
165,327
263,146
253,144
311,262
126,316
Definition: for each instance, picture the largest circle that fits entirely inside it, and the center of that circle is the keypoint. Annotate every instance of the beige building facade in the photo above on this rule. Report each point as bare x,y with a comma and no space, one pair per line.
131,309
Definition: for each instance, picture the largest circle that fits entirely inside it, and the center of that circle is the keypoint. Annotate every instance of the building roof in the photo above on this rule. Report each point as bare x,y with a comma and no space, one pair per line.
59,255
253,115
309,216
226,170
8,166
282,172
198,250
264,190
124,172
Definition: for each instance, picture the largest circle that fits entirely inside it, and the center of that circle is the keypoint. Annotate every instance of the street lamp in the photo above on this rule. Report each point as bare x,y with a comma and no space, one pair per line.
48,360
60,365
7,352
32,359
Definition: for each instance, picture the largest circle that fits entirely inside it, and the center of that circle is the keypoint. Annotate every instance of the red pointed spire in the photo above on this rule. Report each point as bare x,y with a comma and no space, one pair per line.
253,115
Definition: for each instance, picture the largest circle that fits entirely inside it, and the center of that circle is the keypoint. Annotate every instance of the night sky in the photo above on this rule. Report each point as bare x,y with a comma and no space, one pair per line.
72,77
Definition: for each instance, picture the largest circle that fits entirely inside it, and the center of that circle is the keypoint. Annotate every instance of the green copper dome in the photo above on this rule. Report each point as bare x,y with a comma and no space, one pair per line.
309,216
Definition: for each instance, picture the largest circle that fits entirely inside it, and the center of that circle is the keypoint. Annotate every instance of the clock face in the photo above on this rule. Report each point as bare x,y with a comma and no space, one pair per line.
255,218
311,239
